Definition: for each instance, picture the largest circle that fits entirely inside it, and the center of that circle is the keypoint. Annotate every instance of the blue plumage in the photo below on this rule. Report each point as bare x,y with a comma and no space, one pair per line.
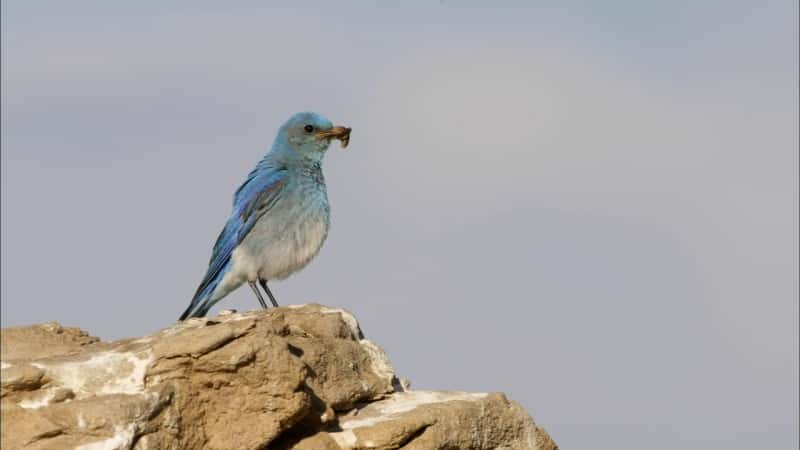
280,214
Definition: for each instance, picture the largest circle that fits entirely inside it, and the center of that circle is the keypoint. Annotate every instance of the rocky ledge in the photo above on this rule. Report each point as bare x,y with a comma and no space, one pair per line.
287,378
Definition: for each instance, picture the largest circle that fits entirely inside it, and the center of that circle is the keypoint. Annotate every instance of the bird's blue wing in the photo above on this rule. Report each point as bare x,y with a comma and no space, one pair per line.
253,198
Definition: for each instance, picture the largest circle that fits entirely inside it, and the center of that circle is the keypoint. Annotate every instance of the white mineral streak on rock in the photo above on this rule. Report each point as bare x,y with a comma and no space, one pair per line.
40,402
122,439
102,374
402,402
345,439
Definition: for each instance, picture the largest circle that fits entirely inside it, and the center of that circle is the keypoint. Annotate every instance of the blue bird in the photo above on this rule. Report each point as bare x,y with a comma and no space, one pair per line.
280,215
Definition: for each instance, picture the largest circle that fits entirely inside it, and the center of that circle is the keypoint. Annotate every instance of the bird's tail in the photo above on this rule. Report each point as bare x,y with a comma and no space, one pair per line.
206,296
201,302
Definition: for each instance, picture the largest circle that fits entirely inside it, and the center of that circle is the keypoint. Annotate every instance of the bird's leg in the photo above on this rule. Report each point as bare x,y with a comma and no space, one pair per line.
258,294
269,293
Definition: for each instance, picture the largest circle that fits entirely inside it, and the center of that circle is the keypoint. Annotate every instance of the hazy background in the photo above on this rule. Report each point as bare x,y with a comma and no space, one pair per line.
589,206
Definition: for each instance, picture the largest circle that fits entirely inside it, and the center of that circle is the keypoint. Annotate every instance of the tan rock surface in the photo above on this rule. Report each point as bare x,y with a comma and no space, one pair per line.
297,377
41,341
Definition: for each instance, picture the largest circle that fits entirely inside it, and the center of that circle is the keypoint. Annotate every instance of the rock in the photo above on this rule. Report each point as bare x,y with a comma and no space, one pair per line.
41,341
425,419
286,378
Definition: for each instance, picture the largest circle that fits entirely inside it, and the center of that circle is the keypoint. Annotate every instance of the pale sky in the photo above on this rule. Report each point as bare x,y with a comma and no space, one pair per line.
589,206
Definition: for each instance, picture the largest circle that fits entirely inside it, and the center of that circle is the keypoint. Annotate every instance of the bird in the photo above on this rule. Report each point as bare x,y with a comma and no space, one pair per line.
280,216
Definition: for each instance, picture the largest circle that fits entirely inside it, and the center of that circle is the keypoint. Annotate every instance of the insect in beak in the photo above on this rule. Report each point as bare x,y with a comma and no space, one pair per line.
337,132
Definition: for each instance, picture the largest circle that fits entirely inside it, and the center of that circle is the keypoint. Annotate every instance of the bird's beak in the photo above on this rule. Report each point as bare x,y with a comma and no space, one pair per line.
340,133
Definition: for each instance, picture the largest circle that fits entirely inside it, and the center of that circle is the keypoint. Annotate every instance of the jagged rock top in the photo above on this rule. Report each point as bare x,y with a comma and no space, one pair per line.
297,377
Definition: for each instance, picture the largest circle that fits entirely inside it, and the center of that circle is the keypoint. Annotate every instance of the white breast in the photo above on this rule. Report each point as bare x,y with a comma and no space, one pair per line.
282,242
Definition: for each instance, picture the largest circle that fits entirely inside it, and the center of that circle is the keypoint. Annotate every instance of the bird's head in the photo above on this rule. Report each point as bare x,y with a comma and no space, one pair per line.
309,134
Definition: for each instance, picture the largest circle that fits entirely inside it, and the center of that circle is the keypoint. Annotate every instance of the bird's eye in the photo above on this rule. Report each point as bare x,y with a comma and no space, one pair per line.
308,128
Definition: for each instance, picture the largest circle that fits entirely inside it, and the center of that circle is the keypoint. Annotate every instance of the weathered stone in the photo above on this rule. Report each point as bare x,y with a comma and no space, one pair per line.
427,419
20,377
273,378
42,341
